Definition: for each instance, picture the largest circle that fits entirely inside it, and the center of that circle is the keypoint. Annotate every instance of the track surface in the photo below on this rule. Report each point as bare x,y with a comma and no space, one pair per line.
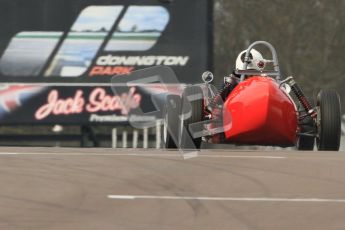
50,188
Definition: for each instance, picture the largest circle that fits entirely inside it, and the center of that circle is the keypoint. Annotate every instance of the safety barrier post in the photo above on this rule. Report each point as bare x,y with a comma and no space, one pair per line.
135,139
124,139
145,138
114,138
158,134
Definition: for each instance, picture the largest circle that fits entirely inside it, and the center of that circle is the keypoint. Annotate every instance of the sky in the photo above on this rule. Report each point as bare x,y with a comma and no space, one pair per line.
145,18
96,17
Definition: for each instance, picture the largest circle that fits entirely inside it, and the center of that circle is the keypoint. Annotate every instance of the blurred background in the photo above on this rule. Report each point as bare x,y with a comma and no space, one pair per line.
308,35
59,56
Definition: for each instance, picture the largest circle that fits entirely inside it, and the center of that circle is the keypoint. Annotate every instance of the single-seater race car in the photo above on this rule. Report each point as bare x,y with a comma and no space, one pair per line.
262,109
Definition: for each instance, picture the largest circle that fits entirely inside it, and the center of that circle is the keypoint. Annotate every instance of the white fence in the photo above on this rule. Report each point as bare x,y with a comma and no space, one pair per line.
138,136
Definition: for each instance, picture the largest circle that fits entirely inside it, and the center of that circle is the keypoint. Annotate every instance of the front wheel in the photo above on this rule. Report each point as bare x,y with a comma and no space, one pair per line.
328,120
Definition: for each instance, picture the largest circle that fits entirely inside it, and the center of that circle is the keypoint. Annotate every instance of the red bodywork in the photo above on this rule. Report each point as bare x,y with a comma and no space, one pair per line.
260,113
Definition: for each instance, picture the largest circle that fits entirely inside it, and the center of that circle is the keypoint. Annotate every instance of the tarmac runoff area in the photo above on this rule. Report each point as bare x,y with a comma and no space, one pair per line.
82,189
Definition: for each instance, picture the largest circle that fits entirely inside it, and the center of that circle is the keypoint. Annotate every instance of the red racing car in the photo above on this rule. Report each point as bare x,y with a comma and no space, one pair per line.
261,109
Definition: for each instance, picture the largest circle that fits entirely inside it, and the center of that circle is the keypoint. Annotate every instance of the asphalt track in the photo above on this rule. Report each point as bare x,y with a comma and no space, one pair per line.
82,189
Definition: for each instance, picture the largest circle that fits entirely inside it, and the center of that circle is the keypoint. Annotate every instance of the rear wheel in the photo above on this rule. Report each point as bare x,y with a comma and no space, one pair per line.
191,113
171,122
329,120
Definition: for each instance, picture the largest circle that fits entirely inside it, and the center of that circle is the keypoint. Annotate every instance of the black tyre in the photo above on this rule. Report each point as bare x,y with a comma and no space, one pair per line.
192,99
171,122
307,126
328,120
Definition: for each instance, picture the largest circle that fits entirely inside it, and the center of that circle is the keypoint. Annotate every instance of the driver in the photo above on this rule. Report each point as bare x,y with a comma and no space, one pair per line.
256,62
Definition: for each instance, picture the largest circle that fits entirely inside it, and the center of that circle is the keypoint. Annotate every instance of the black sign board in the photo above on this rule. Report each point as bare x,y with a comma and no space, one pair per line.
54,41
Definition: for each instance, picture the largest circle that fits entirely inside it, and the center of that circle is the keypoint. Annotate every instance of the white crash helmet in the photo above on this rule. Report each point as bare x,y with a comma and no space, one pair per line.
257,62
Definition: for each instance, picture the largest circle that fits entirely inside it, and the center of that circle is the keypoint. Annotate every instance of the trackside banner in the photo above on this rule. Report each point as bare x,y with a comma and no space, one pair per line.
87,105
89,42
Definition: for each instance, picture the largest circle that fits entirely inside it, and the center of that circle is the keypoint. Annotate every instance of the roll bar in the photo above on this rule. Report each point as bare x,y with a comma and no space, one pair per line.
276,71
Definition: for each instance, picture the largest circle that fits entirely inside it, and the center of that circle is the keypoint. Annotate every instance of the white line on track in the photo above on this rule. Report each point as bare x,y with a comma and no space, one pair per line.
141,155
8,153
241,199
